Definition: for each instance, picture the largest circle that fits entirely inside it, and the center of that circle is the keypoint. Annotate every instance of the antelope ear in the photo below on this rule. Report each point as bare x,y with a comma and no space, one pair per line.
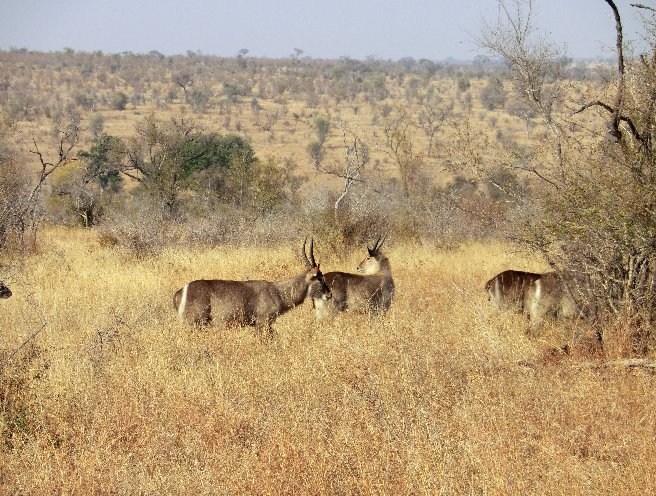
371,252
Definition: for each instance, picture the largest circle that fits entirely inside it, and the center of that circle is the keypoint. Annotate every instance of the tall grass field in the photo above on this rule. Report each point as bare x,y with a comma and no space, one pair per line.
104,391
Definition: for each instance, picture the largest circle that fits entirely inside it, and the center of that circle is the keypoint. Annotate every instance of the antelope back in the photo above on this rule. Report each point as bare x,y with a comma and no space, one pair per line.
539,296
510,289
371,290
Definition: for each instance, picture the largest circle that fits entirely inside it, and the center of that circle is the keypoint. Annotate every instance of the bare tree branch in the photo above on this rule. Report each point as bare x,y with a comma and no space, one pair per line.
641,6
67,142
598,103
356,157
29,338
617,111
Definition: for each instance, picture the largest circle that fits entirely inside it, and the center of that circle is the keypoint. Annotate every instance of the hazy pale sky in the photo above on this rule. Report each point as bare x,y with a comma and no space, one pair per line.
386,29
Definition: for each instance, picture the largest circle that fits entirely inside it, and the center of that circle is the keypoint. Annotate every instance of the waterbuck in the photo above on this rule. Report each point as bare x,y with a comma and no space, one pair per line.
371,291
5,292
536,295
256,303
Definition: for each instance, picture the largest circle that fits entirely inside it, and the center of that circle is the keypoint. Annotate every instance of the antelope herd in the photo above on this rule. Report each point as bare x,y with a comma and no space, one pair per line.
259,303
370,291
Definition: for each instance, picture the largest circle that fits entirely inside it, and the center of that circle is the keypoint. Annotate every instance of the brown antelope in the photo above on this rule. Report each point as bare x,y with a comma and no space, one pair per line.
256,303
371,291
536,295
5,292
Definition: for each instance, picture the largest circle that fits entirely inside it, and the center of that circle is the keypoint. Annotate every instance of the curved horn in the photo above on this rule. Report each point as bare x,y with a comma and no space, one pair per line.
314,263
382,240
376,246
304,255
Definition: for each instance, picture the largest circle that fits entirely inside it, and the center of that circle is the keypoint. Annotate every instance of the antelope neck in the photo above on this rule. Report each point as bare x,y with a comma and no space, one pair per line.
292,291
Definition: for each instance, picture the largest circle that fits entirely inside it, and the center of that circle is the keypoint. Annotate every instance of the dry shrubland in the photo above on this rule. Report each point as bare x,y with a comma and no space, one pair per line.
197,166
442,395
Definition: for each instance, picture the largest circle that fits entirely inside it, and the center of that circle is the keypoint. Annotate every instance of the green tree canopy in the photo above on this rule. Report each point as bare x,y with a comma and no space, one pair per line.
102,162
167,156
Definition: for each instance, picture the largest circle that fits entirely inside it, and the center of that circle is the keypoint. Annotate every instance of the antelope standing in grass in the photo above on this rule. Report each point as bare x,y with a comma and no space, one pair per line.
536,295
5,292
256,303
370,291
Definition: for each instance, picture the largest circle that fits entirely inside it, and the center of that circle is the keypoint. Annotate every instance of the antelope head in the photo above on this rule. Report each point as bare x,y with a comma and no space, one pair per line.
372,263
317,287
5,292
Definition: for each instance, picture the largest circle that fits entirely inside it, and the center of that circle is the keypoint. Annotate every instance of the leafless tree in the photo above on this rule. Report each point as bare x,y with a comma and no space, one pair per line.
399,130
351,168
271,117
536,65
434,112
183,79
23,214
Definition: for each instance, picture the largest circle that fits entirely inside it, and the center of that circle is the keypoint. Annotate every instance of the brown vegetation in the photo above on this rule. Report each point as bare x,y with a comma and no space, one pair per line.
123,176
114,395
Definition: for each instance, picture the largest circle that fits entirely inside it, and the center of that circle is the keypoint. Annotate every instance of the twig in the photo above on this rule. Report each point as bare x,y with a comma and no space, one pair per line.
641,6
631,363
30,338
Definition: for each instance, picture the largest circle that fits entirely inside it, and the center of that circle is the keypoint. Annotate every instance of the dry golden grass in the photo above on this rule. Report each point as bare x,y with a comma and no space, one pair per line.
115,396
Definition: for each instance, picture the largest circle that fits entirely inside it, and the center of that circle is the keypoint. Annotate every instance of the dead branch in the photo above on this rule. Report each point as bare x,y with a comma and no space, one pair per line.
630,363
615,131
67,142
641,6
30,338
627,120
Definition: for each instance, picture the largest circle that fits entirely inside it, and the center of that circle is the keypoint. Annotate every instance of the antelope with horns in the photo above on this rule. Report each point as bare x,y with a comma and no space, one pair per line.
370,291
5,292
256,303
538,296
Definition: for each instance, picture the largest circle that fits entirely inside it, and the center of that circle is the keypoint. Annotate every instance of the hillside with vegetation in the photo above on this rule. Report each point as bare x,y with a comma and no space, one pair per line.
247,143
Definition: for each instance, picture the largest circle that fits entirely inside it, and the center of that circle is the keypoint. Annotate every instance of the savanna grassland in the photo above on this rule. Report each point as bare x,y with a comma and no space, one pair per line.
104,391
443,395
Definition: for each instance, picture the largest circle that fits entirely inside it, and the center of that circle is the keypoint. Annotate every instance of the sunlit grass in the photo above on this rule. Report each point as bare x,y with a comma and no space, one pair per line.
114,395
